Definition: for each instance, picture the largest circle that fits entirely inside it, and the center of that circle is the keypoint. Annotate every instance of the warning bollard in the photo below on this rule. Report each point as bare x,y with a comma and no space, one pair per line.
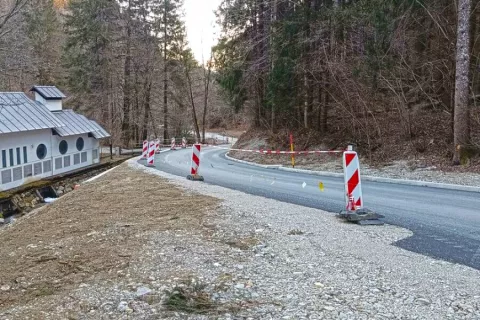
157,145
355,212
145,150
353,185
184,143
151,154
172,145
195,164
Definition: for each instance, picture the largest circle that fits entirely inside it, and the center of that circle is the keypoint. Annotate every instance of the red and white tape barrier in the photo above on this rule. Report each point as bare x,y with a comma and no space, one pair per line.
261,151
353,185
145,150
151,154
196,158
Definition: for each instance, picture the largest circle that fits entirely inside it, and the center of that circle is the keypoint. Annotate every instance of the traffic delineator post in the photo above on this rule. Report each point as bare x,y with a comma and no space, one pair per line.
151,154
157,145
145,150
355,212
194,175
172,144
184,143
353,184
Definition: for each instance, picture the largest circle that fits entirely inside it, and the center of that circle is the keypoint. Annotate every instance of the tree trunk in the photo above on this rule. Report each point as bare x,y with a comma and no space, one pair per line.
126,89
206,75
165,75
147,109
461,126
192,101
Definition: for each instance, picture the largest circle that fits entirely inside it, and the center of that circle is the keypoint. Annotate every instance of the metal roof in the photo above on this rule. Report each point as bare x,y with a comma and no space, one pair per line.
48,92
100,133
19,113
77,124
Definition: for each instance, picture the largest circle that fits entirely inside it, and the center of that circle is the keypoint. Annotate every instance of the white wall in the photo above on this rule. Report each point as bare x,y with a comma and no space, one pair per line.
89,145
31,140
52,105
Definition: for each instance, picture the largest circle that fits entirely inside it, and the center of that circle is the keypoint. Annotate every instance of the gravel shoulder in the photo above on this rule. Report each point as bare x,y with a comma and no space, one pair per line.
403,169
143,244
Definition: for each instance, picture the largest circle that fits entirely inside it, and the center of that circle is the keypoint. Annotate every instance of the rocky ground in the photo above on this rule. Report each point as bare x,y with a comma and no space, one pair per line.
132,245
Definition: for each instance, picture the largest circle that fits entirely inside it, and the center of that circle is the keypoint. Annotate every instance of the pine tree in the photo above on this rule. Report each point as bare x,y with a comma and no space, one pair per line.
90,30
169,27
44,32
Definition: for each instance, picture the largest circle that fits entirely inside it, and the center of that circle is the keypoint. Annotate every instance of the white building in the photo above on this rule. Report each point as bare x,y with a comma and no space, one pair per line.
39,139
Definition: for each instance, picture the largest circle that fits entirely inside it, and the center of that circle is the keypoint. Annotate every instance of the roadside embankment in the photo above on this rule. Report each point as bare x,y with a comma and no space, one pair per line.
137,243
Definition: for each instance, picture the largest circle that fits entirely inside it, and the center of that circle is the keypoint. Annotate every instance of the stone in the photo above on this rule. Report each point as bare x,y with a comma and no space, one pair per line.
328,308
423,301
142,291
5,287
239,286
123,306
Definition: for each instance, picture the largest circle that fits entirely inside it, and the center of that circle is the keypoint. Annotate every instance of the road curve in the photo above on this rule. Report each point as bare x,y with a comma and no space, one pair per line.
445,223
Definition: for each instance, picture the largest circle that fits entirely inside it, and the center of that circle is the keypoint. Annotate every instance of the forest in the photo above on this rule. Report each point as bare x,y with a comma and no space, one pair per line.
395,77
125,63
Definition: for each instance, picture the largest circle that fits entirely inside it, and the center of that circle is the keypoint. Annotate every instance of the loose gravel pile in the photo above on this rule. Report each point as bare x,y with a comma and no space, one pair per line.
256,258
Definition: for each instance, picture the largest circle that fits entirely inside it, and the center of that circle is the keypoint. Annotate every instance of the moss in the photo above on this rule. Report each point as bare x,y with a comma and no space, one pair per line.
467,153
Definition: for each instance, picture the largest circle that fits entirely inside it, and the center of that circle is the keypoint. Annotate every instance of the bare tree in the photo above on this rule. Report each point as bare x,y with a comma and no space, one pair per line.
207,72
11,11
461,126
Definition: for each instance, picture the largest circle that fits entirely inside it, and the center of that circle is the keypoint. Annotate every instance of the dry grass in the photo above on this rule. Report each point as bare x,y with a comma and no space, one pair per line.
243,243
91,233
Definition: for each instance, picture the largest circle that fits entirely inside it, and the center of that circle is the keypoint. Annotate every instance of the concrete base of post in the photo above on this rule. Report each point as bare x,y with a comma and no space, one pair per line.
362,216
195,177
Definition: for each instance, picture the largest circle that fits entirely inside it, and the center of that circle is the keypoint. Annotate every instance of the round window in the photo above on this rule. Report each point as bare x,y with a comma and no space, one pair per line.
80,144
63,147
41,151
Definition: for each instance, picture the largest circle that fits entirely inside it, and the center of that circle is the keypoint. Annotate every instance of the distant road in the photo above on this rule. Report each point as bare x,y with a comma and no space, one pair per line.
445,223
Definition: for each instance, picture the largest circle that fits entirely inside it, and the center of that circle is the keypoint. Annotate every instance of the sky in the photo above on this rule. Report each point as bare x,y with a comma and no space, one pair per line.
201,27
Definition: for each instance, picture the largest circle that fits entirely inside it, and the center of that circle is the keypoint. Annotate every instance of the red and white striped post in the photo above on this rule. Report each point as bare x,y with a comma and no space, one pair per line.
353,185
184,143
172,145
151,154
145,150
195,163
157,145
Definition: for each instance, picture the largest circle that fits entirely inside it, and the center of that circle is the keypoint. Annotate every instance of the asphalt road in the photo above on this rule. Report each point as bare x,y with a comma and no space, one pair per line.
445,223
